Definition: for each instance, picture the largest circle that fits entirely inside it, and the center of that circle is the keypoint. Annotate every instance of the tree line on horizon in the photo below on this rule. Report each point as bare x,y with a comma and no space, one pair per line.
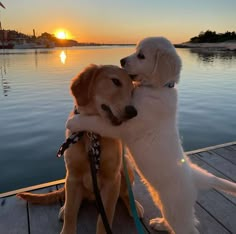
212,37
13,35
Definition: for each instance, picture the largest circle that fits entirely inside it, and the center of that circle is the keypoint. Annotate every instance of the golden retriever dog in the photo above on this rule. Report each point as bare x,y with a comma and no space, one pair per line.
105,91
153,137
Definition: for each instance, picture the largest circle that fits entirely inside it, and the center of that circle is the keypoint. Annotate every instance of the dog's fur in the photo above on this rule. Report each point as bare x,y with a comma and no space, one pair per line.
153,137
95,86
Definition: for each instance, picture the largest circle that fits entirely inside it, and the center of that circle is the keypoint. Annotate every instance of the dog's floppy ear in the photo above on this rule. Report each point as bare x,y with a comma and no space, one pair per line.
167,67
81,86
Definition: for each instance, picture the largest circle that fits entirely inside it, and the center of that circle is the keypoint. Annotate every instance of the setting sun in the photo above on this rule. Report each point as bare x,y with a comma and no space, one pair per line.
61,35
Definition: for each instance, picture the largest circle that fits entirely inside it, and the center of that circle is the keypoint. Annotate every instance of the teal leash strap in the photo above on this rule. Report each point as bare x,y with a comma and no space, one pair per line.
137,221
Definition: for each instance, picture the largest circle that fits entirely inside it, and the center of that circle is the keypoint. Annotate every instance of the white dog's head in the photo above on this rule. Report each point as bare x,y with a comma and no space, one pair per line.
154,63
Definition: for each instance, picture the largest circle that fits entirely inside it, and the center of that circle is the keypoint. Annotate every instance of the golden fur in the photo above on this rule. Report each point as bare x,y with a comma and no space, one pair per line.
92,88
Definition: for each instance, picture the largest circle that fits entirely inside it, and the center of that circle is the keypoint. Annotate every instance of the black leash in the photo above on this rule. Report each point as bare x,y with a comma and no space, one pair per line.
96,191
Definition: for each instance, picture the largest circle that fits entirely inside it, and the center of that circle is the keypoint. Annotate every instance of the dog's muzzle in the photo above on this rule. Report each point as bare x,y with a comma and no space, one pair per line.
129,113
114,120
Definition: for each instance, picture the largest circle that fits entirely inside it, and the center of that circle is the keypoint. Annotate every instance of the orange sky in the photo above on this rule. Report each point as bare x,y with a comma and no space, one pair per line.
123,21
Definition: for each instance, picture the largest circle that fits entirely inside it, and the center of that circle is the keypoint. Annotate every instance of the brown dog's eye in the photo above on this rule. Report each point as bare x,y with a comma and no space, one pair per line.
141,56
116,82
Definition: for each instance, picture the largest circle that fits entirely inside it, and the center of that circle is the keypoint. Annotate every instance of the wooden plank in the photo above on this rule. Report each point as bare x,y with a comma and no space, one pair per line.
215,210
44,219
227,154
233,147
87,218
230,147
123,223
31,188
222,209
60,186
13,216
218,204
88,215
231,144
195,159
208,224
219,163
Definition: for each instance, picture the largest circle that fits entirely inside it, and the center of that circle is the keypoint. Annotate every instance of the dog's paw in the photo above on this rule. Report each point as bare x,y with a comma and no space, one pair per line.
158,224
140,209
73,123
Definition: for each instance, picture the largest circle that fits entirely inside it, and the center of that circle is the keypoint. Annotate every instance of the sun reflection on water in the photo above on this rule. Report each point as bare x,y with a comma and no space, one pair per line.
63,57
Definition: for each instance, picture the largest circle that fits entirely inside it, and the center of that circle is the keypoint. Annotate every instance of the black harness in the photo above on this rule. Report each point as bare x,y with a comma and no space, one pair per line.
94,148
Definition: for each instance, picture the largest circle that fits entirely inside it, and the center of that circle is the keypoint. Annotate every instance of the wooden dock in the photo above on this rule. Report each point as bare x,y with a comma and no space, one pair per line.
215,210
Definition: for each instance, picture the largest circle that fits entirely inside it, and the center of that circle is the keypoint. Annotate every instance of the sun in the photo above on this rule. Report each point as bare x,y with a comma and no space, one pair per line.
61,35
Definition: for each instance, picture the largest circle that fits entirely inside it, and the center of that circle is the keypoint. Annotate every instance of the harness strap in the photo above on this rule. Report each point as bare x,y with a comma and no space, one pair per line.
72,139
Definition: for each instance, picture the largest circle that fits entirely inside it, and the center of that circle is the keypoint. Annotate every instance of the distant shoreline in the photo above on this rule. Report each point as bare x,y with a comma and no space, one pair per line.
217,46
105,44
221,46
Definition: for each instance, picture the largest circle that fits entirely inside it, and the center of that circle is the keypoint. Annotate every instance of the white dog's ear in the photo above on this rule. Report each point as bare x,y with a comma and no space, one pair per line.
81,86
167,67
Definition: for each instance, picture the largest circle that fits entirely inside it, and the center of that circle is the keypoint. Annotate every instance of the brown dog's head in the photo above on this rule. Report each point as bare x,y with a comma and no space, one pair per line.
105,90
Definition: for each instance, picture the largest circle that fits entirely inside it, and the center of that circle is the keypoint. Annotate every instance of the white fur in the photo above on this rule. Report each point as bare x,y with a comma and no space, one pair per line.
153,138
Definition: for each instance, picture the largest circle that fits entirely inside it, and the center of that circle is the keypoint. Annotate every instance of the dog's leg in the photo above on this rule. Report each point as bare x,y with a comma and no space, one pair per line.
93,124
183,225
74,196
179,217
109,193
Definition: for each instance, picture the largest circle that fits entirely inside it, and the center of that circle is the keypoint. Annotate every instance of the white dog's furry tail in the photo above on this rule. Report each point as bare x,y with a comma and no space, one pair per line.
205,180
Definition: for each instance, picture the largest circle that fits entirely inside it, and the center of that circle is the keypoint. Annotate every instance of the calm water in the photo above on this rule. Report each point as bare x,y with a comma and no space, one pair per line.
35,102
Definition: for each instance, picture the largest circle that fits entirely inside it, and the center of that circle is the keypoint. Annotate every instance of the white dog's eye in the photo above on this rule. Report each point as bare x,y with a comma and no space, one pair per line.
116,82
141,56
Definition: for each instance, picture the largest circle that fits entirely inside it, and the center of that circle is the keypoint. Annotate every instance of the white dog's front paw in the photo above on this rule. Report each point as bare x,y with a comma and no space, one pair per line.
73,123
158,224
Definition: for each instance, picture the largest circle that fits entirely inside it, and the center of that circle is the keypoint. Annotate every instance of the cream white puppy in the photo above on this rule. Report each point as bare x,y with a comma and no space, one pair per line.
153,137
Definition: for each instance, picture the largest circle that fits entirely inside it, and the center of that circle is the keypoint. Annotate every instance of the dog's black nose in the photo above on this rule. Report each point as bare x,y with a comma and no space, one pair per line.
130,112
123,62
